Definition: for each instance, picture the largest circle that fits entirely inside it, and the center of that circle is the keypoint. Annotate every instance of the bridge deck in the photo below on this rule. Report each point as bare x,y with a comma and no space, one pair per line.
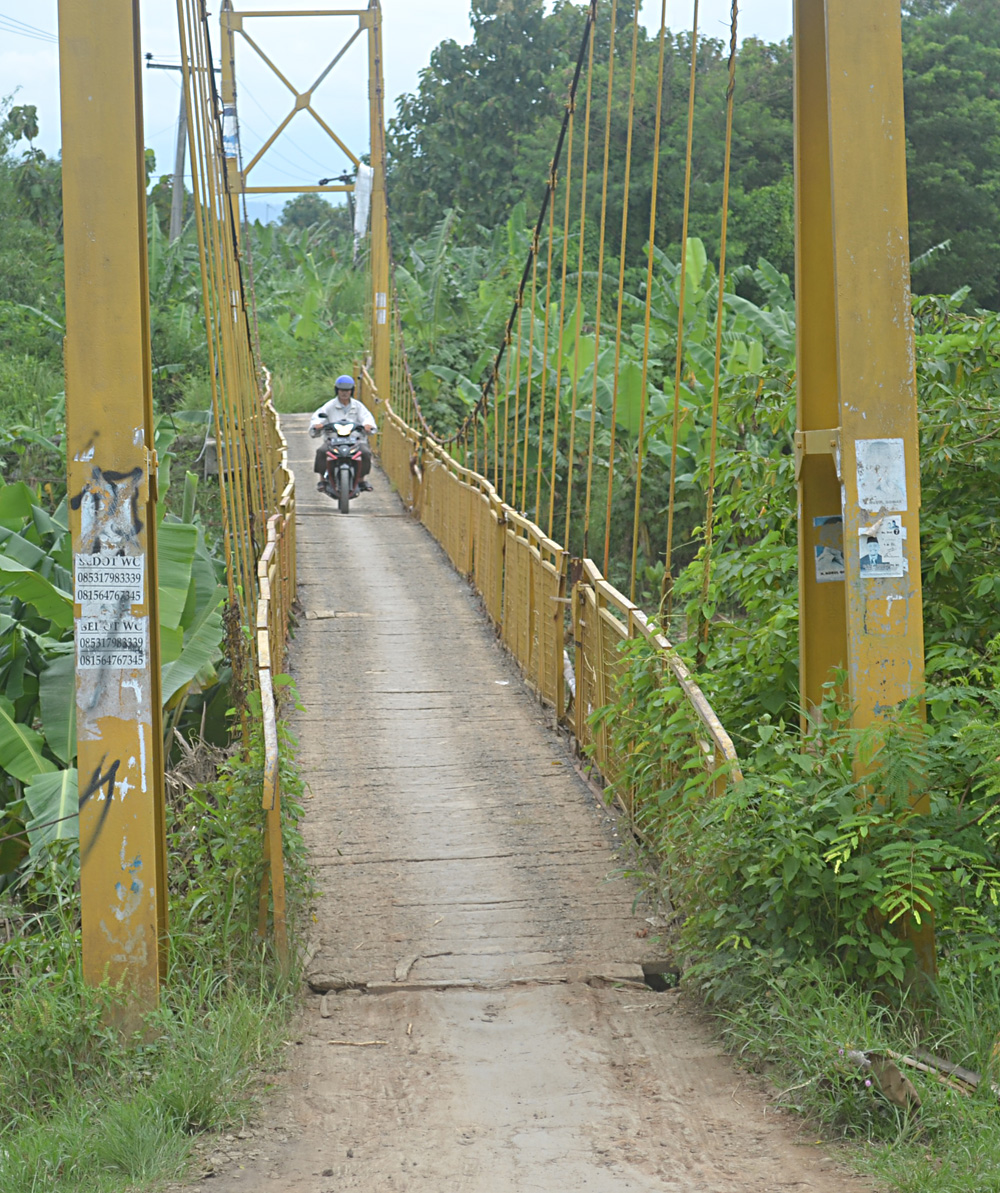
469,884
447,818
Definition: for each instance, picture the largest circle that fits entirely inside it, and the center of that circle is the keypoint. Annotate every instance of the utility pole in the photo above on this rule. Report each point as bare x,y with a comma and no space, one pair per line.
177,188
856,445
112,492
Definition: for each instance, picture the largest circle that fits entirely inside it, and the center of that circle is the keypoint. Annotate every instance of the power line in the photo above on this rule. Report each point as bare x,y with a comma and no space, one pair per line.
166,129
295,165
13,25
241,89
270,165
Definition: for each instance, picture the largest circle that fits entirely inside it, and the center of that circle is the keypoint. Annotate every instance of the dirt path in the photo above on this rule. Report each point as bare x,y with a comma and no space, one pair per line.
498,1036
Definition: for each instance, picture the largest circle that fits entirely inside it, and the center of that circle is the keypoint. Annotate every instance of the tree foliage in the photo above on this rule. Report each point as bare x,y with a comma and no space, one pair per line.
952,85
477,135
305,211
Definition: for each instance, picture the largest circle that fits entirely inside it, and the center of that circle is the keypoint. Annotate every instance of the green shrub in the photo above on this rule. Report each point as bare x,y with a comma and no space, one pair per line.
819,852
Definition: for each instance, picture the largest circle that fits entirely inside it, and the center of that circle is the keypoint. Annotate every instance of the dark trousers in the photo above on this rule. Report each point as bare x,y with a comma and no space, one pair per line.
319,465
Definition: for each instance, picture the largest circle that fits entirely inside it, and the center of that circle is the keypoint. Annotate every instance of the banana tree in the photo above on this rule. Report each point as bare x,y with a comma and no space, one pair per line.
38,781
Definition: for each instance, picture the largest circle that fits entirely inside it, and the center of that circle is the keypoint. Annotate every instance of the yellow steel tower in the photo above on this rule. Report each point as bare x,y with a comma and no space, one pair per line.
856,443
112,489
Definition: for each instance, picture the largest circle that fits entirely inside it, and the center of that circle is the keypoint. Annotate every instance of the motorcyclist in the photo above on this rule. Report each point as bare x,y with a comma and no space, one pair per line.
343,407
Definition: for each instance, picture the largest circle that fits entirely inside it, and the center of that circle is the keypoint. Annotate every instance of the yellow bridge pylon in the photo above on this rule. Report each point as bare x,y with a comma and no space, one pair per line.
112,489
857,455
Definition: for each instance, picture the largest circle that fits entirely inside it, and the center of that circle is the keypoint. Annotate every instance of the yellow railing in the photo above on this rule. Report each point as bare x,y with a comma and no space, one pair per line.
524,579
256,485
276,592
602,620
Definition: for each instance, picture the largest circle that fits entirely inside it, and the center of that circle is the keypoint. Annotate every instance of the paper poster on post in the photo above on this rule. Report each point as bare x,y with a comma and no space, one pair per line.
881,467
829,548
108,635
880,549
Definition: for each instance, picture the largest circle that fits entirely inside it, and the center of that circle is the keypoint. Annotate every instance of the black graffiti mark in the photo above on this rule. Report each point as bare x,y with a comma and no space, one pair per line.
99,782
116,524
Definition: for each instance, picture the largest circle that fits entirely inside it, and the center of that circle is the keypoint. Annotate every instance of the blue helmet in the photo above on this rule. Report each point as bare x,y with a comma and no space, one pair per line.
344,382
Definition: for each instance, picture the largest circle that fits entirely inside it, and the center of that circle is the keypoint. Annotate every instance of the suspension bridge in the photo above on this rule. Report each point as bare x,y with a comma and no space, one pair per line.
518,496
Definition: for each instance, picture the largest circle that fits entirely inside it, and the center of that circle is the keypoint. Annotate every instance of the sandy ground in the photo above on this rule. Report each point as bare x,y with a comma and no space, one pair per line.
485,1026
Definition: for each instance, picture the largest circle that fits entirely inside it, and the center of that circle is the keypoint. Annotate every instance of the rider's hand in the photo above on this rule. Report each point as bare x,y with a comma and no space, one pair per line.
370,428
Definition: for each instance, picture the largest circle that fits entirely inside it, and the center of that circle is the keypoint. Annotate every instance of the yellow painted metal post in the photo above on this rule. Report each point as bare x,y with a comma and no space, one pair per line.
877,380
381,348
823,627
112,487
872,439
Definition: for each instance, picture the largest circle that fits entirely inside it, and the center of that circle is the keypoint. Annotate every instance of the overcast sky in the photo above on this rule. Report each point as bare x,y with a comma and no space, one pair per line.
301,47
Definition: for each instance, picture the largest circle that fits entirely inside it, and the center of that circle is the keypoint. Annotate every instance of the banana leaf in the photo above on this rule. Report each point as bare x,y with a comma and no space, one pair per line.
54,803
18,547
35,590
205,581
171,644
16,501
202,647
20,747
45,523
57,701
175,548
629,395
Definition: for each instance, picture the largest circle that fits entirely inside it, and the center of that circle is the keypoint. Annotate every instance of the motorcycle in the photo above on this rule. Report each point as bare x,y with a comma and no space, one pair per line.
342,478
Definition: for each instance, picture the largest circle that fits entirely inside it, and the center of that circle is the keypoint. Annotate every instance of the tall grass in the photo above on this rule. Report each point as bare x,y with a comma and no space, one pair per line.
800,1024
84,1109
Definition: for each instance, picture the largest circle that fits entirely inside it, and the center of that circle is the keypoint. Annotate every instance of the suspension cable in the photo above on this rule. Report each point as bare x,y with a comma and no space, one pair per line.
496,429
517,407
205,201
621,288
600,278
545,364
487,454
506,417
719,315
199,188
668,583
562,323
648,304
578,313
548,196
531,374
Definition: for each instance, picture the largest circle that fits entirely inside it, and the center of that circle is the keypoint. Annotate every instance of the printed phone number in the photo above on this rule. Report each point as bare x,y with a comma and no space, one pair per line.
132,596
112,642
115,659
116,577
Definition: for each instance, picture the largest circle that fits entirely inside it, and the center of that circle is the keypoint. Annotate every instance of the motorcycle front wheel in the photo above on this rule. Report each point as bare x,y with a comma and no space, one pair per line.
344,489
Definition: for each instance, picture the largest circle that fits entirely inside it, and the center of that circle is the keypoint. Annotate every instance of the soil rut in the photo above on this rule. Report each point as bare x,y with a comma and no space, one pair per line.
492,1032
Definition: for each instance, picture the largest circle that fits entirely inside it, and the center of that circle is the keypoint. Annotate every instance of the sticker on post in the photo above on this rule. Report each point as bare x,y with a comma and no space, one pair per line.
829,548
880,549
108,639
881,467
107,579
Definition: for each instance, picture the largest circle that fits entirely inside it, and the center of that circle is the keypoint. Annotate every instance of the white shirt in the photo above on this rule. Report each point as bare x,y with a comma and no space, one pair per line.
335,411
